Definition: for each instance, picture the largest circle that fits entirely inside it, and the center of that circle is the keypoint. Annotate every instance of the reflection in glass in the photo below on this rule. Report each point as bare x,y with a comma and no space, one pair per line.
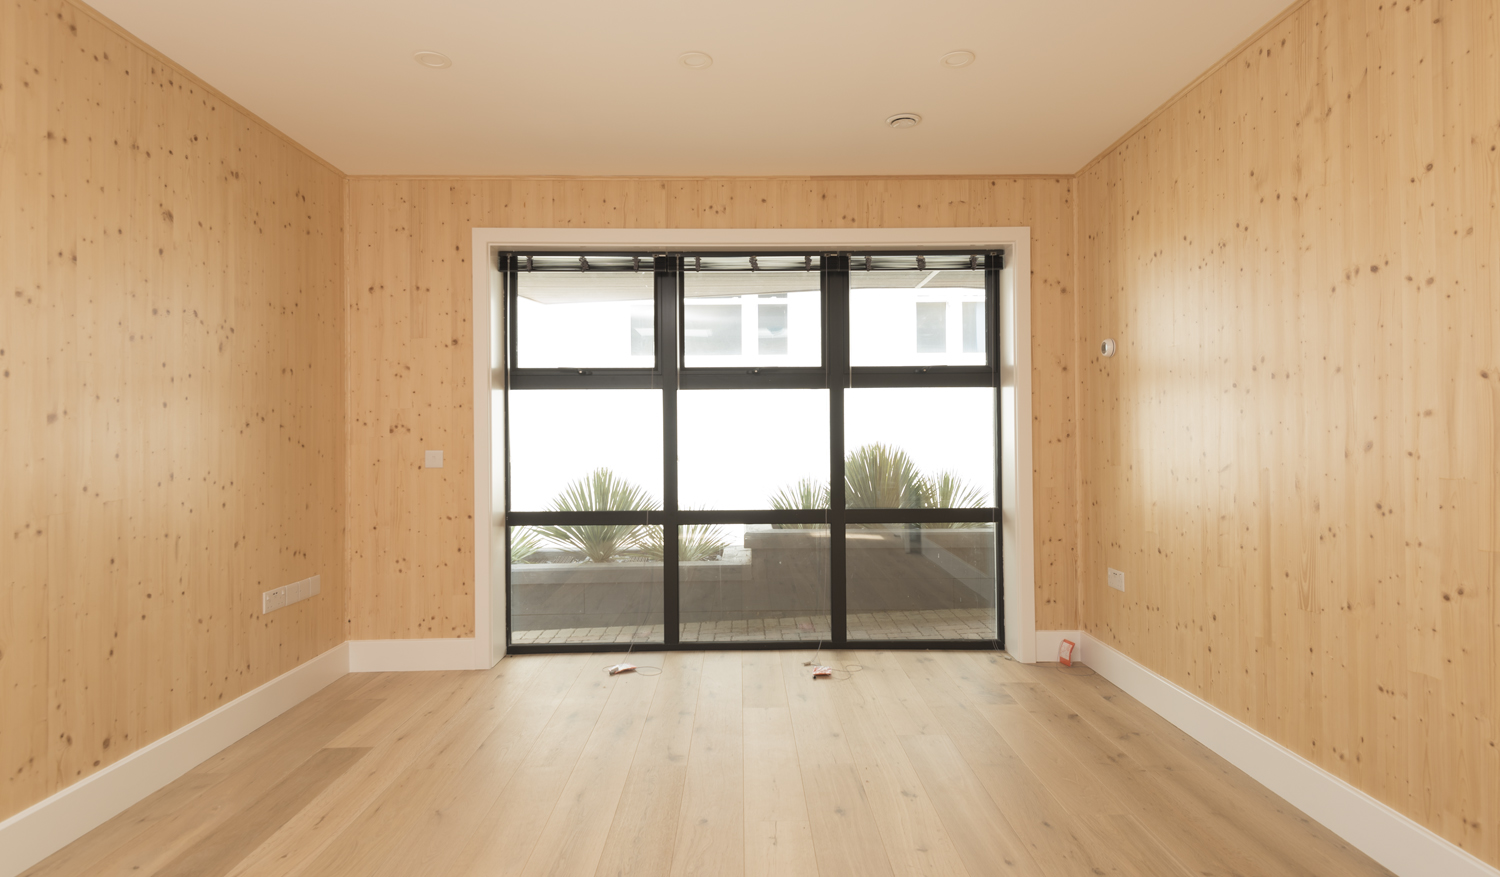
711,329
916,318
973,327
764,319
772,330
921,581
561,593
932,326
736,449
584,319
754,582
560,436
930,447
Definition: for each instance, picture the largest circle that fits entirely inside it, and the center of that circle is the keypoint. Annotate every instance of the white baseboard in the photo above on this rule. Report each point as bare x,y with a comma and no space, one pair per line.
395,655
49,825
1047,642
1385,835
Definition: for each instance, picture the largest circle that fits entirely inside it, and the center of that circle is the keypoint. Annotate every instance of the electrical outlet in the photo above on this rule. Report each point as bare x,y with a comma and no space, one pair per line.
273,600
1117,580
434,459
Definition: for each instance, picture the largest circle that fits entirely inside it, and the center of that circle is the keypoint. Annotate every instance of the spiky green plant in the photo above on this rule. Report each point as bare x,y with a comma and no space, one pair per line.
808,493
948,491
694,542
878,476
523,543
600,491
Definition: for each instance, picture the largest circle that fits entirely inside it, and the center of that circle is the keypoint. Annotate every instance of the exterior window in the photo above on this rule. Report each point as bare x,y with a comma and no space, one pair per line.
707,450
902,313
568,318
766,311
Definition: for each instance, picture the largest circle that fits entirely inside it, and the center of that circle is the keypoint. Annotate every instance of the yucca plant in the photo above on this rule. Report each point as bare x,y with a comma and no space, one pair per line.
694,542
601,491
523,544
948,491
808,493
879,476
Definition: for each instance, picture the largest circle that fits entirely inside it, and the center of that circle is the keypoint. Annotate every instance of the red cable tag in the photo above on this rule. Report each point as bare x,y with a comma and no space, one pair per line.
822,671
1065,652
621,668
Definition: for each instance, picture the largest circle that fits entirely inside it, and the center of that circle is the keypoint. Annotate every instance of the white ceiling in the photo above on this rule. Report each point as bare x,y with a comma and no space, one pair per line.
797,87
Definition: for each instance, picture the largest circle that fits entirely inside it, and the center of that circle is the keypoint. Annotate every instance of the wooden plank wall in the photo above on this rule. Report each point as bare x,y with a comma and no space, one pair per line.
171,403
1294,457
410,296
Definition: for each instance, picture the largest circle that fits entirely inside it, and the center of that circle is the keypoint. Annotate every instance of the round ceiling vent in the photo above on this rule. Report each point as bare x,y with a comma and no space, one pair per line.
961,58
435,60
695,60
904,120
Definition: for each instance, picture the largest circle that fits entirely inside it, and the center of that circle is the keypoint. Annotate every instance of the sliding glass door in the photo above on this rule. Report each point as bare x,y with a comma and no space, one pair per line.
728,449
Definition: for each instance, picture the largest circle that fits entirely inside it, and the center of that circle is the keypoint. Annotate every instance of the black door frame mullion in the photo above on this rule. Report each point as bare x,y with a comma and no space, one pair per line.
993,264
836,343
668,359
507,312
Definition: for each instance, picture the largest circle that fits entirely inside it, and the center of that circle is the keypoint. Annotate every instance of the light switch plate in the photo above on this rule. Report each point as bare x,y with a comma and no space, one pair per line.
1117,580
434,459
314,586
296,592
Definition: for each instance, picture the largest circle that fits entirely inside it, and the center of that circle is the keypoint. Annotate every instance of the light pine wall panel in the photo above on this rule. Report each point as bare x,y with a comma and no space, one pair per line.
171,398
1294,455
409,299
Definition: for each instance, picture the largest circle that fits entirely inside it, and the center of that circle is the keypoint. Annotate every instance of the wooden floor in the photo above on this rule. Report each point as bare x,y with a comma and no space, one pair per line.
726,763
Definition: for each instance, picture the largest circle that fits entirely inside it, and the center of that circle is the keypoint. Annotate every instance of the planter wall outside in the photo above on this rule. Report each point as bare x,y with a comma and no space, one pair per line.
775,574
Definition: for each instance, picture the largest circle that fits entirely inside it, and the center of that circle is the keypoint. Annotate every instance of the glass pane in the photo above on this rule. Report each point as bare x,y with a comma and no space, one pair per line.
712,329
921,581
772,329
752,449
585,450
586,584
754,582
916,318
973,327
926,447
585,319
759,319
932,327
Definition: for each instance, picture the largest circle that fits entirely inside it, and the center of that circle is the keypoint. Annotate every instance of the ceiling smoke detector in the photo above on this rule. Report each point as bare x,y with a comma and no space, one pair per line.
695,60
904,120
961,58
435,60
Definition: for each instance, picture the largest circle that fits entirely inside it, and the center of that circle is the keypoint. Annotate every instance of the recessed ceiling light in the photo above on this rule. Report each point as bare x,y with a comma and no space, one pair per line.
958,59
695,60
904,120
435,60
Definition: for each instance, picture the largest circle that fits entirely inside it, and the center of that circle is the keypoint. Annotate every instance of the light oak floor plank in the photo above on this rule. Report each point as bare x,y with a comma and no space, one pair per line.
643,832
950,764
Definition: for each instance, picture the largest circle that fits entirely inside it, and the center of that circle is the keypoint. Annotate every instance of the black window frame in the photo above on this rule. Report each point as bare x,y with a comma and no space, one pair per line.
836,375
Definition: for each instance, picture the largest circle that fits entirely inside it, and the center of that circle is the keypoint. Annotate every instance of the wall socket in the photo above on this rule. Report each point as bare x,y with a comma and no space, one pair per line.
1117,580
433,459
286,595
